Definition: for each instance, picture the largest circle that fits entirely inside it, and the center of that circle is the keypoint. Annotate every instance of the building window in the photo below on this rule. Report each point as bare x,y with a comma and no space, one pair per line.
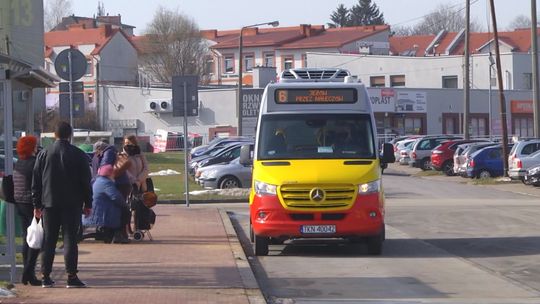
229,64
376,81
397,80
304,60
527,81
209,66
288,62
413,125
248,63
478,126
449,82
90,97
451,123
523,127
269,60
88,67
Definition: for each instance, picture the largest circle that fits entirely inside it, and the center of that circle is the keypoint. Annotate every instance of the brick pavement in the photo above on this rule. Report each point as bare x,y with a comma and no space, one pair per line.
194,258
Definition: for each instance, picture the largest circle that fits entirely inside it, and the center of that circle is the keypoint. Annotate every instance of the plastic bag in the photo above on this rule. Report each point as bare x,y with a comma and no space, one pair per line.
34,236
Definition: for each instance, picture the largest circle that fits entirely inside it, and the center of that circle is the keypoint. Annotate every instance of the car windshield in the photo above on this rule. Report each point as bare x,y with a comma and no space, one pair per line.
316,136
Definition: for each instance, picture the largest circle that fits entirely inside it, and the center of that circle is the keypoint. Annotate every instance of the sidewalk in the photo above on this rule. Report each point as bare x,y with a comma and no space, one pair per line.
195,257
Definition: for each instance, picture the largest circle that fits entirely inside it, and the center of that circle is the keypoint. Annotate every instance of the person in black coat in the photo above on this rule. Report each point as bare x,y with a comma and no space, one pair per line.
22,182
61,191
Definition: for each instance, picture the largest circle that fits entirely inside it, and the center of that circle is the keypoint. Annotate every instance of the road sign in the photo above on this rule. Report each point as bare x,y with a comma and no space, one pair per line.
77,86
78,64
78,105
192,95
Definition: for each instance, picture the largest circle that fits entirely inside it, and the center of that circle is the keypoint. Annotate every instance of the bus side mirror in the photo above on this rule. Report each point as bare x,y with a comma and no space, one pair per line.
245,155
388,154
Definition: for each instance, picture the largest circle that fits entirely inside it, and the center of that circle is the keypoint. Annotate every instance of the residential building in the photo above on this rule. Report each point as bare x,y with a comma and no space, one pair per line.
110,53
436,61
286,47
114,21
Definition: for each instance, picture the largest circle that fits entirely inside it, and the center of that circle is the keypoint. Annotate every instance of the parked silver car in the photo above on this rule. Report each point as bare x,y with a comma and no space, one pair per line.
225,175
520,150
460,161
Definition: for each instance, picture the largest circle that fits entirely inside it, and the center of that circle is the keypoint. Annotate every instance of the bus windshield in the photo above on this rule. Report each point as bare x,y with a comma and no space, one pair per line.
316,136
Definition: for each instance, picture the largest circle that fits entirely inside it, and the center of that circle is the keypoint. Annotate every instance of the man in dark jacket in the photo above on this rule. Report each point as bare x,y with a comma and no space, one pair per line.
61,190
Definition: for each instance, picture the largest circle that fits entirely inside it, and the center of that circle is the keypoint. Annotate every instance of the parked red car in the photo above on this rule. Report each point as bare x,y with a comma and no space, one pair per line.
442,157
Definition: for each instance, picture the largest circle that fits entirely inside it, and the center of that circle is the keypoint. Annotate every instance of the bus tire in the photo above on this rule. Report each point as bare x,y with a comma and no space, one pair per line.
375,243
261,245
251,233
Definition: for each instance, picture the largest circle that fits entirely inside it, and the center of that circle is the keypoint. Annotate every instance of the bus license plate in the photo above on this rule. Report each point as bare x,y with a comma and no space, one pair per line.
318,229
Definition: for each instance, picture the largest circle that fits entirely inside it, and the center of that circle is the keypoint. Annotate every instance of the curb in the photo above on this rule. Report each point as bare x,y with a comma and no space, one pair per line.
216,201
251,286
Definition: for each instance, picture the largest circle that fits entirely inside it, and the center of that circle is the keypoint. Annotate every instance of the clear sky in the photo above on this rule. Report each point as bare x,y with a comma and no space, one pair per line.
232,14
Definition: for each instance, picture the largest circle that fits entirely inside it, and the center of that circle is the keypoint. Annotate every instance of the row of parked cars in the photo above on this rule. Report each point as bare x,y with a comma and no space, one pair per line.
473,158
217,166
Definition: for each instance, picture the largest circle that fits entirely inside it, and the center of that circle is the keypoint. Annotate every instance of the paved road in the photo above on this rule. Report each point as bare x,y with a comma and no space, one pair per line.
446,243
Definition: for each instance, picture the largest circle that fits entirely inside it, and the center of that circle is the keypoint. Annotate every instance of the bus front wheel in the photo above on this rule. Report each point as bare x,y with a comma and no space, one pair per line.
375,243
261,245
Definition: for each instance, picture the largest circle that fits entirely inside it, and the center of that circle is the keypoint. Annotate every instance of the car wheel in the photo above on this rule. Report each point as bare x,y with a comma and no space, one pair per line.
229,182
261,245
425,164
524,181
484,174
448,168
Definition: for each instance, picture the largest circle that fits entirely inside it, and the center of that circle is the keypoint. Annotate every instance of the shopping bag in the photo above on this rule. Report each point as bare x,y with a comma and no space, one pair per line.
34,234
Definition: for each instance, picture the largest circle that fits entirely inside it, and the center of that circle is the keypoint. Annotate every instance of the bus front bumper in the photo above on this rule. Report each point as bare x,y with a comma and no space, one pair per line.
364,218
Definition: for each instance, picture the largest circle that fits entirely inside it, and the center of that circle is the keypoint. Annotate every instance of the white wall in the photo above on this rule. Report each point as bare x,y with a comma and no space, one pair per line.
426,72
216,107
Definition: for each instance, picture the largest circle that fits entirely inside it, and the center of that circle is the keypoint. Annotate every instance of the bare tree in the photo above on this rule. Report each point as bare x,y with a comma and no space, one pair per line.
520,21
444,17
402,30
100,9
174,47
55,10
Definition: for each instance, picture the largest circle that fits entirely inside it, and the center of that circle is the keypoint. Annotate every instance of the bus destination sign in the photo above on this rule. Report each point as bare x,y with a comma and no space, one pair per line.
315,96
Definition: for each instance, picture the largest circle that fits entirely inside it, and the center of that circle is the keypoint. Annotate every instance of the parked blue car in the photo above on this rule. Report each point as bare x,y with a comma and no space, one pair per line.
486,163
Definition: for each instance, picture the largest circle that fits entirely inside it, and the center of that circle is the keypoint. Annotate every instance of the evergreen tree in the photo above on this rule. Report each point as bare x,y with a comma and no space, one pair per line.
340,17
365,13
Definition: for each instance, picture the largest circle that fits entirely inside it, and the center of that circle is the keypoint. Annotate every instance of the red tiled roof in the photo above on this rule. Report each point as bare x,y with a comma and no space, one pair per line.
260,36
335,37
519,40
399,44
76,36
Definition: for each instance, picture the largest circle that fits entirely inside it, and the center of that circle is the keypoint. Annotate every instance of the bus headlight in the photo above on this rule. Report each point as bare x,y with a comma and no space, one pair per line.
369,188
264,188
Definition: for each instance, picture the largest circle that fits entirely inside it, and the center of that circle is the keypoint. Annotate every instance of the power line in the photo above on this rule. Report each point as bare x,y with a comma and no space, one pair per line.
423,16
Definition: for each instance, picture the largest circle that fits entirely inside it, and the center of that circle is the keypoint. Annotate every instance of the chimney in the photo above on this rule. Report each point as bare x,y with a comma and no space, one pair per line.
209,34
306,30
250,31
106,29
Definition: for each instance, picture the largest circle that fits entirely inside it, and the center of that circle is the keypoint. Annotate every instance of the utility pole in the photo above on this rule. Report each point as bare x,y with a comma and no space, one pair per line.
466,76
534,51
502,101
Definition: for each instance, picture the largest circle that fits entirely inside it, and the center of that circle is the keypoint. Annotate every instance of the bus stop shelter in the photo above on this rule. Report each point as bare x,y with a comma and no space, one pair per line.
18,83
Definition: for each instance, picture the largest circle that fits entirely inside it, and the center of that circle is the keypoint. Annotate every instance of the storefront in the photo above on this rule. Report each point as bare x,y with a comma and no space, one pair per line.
399,112
522,123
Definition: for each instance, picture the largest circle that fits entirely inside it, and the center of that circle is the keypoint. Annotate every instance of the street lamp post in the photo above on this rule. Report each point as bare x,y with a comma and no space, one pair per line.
240,71
491,64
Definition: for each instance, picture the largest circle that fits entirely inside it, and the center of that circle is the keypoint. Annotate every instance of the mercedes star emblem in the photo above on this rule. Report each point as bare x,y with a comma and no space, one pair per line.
317,195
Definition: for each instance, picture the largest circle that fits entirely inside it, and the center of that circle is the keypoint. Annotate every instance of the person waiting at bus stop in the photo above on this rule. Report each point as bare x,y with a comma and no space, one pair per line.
61,191
22,182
